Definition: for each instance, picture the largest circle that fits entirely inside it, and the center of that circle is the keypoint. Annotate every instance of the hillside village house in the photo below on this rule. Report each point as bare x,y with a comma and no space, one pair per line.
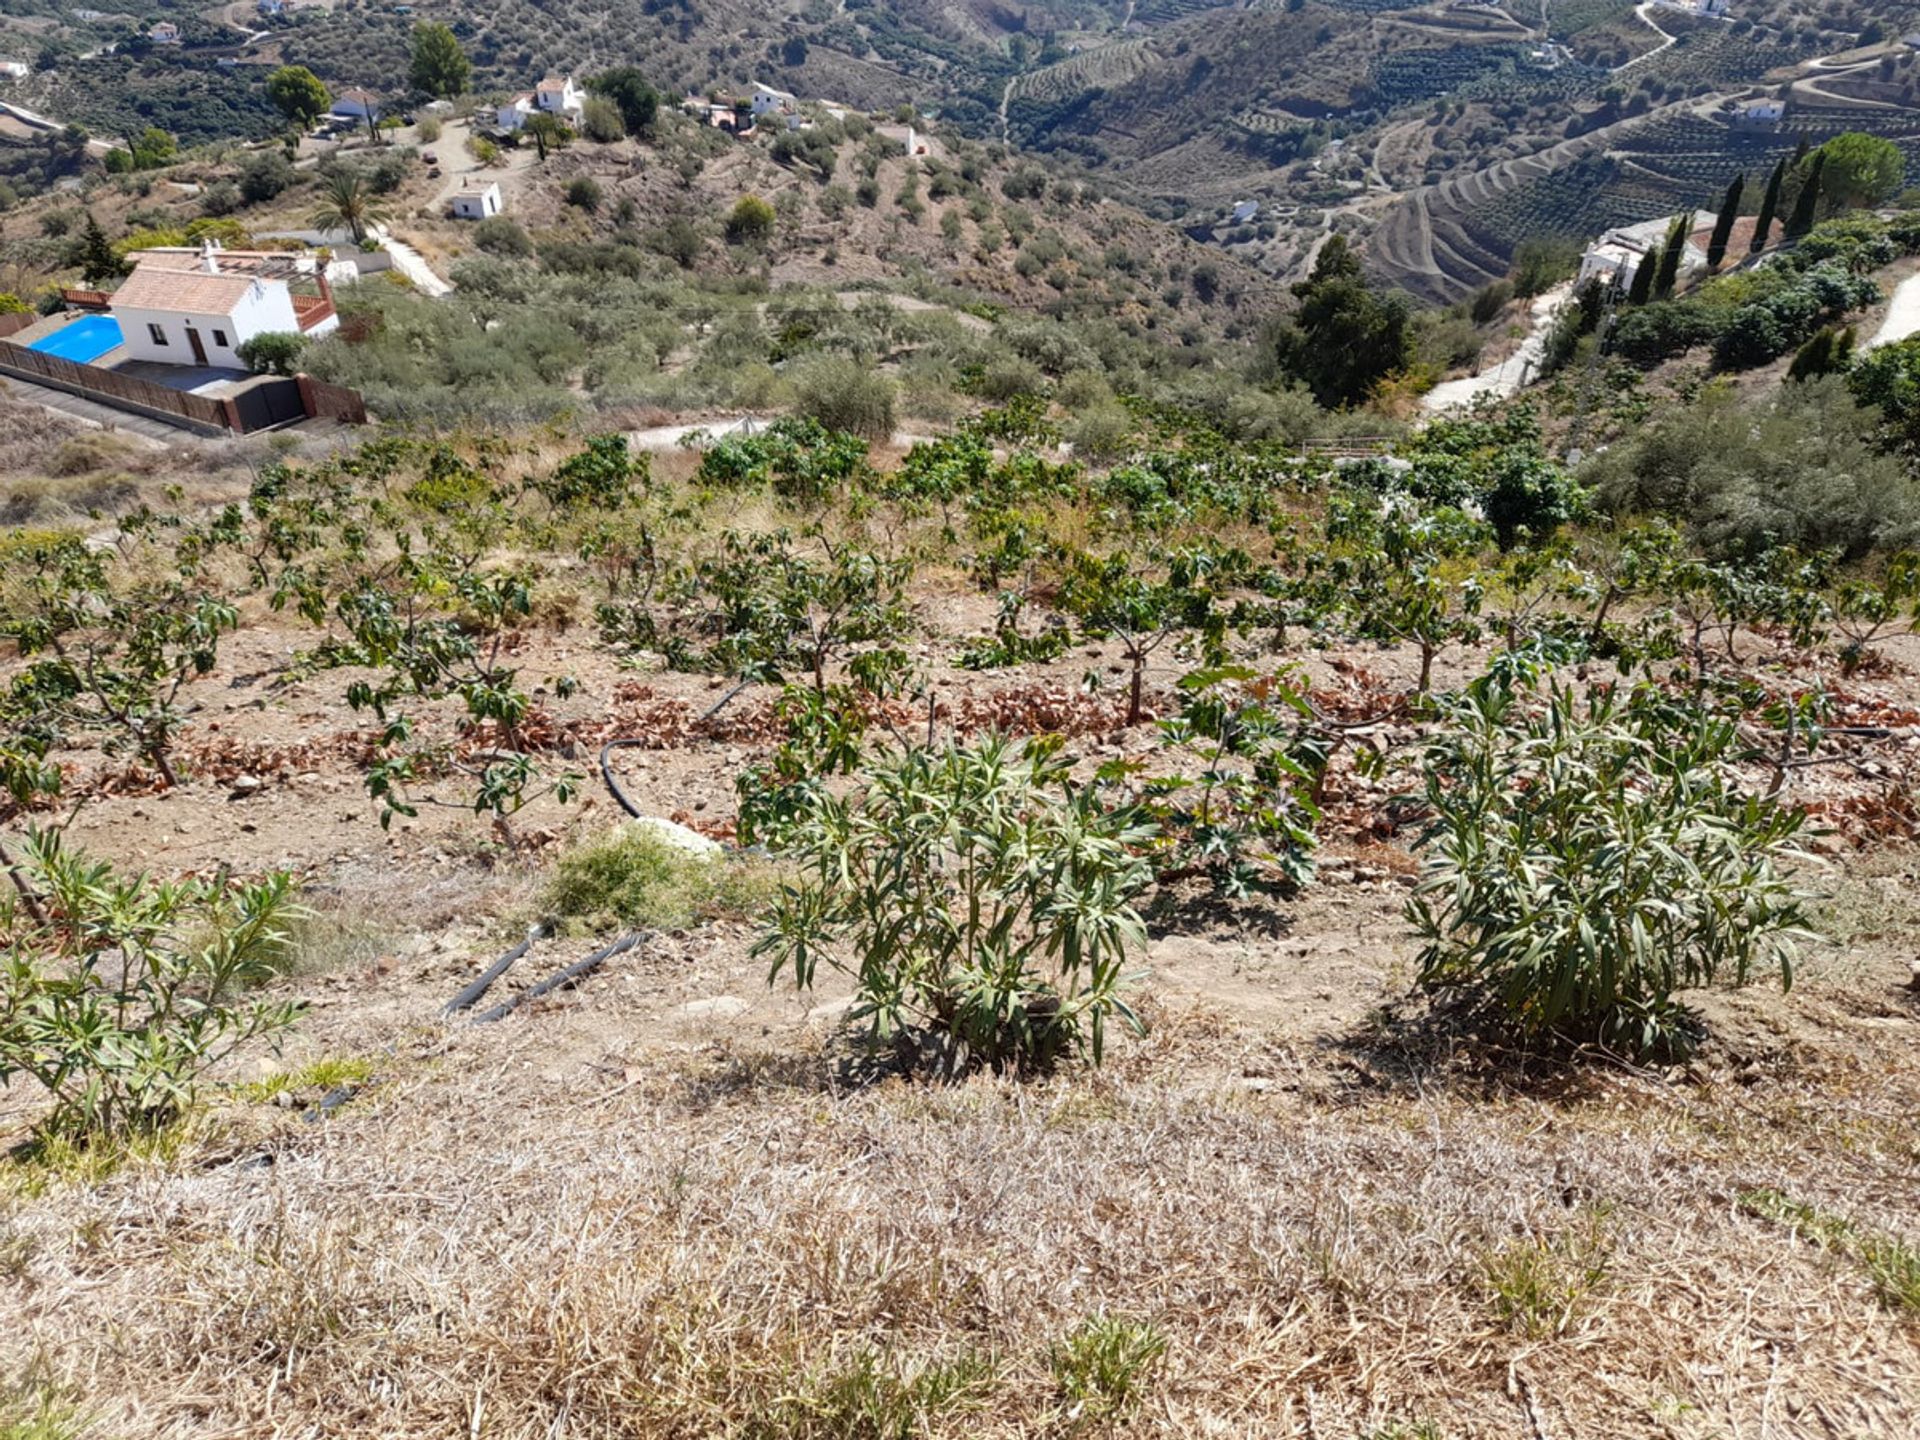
767,99
1618,253
165,33
477,202
356,105
197,307
557,95
13,69
272,7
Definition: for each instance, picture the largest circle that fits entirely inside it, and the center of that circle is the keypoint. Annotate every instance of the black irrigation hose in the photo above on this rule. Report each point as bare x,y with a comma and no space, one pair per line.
565,977
606,770
606,774
470,996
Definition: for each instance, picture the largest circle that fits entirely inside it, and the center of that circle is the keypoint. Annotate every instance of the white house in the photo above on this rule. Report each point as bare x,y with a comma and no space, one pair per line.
271,7
185,308
356,105
557,95
766,98
1244,212
1617,254
13,69
1763,112
476,202
514,110
165,33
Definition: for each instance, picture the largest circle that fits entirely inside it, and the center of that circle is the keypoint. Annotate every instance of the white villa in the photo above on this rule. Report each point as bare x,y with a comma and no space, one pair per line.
165,33
197,307
1618,253
13,69
477,202
766,98
557,95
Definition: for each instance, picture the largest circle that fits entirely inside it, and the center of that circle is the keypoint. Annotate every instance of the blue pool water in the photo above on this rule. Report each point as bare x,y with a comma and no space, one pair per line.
81,341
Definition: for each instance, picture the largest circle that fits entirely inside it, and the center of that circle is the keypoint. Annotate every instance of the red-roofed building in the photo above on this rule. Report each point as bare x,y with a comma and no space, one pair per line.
197,308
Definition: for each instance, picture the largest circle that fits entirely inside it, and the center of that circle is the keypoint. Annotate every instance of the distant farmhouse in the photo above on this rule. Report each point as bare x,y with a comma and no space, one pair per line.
1617,254
356,105
165,33
556,95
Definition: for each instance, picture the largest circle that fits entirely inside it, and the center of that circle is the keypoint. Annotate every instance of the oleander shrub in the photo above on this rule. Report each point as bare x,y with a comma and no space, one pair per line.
118,992
1587,856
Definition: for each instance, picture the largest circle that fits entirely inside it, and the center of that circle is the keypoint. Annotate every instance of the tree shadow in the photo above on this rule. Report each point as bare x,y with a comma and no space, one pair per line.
1197,909
1461,1043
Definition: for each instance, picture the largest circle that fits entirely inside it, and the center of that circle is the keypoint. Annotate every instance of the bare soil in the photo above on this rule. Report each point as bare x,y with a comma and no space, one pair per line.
659,1204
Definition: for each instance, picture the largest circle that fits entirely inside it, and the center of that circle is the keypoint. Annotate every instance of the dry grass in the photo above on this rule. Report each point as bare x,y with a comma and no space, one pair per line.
726,1246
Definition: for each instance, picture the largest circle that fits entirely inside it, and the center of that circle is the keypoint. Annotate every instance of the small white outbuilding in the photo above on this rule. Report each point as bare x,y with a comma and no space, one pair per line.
477,202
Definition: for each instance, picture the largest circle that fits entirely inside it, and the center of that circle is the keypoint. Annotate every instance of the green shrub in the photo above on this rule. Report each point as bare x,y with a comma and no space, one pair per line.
750,222
497,235
583,192
274,352
1803,466
970,891
844,395
131,988
634,878
601,121
1587,857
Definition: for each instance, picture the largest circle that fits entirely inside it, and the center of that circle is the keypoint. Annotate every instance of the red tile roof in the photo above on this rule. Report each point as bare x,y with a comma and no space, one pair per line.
153,287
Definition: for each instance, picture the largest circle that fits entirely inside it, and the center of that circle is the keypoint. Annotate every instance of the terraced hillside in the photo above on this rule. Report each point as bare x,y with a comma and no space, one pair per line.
1444,240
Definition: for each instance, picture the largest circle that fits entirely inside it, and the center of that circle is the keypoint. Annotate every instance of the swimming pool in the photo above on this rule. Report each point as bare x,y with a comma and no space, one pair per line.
81,341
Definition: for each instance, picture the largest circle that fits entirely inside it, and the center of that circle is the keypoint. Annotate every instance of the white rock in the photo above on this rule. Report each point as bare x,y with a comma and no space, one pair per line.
680,837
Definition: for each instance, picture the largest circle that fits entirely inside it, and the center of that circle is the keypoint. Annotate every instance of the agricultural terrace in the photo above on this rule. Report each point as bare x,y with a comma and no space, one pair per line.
513,935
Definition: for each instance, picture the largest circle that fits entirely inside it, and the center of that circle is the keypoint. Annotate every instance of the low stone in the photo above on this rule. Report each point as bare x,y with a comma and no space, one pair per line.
679,836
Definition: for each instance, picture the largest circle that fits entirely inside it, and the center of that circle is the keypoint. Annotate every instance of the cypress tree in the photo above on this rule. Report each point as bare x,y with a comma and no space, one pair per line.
1669,272
1641,290
1723,226
98,263
1769,206
1801,220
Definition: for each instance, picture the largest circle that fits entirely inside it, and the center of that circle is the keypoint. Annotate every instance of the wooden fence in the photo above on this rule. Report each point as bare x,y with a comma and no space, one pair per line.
110,388
322,401
316,399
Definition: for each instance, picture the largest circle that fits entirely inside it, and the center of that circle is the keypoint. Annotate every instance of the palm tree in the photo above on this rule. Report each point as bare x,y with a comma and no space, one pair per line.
351,205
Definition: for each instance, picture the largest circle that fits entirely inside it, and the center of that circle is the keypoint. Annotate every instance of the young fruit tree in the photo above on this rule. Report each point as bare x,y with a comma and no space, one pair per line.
976,896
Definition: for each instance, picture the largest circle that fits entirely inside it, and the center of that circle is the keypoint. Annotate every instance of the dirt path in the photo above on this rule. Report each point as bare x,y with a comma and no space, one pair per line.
1903,315
1642,12
1514,371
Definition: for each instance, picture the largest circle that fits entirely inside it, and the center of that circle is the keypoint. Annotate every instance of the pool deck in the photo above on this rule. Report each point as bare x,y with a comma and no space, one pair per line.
212,381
